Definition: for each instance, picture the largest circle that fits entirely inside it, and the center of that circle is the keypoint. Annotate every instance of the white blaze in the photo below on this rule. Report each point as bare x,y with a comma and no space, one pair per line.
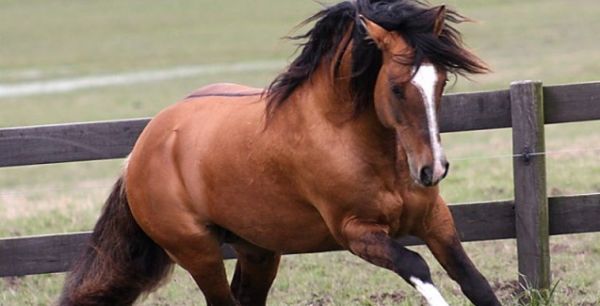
425,80
431,294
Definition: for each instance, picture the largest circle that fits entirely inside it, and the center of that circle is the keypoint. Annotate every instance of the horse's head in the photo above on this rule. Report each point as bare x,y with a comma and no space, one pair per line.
407,99
394,55
408,91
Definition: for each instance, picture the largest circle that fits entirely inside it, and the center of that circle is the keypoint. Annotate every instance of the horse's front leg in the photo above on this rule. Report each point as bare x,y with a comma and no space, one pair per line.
442,239
372,243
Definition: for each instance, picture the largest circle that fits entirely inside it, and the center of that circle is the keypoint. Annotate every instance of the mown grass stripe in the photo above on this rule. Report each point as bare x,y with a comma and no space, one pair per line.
77,83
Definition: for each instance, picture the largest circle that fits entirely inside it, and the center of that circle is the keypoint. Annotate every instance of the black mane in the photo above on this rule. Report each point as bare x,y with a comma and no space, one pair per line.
410,18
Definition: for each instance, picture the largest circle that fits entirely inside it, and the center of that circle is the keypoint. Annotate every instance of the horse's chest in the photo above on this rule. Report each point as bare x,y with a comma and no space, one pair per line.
401,212
390,205
415,209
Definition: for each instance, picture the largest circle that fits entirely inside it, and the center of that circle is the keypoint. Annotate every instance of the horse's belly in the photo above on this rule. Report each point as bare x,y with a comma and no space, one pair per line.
282,225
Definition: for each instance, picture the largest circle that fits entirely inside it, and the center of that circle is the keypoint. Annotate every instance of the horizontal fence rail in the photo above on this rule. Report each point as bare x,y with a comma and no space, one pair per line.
114,139
475,222
68,142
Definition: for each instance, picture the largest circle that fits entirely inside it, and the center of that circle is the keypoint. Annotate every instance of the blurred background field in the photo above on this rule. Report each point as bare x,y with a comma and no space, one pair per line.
551,40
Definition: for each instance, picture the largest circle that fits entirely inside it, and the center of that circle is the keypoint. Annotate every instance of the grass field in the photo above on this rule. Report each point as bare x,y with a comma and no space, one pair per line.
551,40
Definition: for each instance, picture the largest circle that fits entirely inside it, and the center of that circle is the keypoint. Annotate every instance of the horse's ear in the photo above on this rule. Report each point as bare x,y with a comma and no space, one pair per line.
440,18
377,33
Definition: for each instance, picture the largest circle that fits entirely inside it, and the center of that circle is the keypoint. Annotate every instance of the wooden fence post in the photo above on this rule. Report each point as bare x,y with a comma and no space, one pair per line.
529,169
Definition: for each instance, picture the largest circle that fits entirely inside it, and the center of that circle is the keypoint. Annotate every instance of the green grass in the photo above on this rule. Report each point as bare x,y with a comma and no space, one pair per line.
537,297
551,40
107,36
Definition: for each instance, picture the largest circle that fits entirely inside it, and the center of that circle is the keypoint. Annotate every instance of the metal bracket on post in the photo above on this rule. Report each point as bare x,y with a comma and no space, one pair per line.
529,169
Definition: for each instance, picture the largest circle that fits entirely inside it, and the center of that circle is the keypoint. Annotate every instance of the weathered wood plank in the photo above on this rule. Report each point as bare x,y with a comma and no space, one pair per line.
573,102
68,142
475,222
39,254
574,214
47,254
491,109
475,111
485,221
529,169
114,139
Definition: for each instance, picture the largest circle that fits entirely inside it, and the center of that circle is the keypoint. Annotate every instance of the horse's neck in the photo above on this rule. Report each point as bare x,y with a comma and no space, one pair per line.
331,102
329,98
327,101
329,85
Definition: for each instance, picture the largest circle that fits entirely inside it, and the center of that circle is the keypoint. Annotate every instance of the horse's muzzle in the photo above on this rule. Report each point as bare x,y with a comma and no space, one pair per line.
428,176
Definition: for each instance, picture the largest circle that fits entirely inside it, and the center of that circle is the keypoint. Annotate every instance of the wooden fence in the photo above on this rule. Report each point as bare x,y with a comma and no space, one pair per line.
530,218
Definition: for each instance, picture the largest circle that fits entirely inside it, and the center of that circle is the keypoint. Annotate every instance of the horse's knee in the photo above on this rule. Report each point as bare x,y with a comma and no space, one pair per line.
375,246
409,264
381,250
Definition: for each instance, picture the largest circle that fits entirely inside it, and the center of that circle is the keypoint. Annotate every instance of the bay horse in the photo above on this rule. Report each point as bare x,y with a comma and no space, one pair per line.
341,151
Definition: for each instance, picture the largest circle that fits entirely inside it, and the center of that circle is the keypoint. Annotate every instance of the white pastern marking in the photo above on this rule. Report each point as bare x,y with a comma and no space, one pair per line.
425,80
431,294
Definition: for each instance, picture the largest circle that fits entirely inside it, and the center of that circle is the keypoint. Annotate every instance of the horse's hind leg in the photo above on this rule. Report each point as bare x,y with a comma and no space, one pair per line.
255,271
201,256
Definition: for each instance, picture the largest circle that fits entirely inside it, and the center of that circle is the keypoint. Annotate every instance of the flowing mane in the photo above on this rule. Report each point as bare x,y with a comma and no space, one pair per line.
410,18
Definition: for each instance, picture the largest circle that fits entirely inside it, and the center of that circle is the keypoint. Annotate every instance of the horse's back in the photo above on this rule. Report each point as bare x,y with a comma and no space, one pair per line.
226,89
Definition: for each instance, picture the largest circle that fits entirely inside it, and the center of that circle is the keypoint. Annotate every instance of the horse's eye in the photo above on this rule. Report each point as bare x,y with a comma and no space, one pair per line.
398,91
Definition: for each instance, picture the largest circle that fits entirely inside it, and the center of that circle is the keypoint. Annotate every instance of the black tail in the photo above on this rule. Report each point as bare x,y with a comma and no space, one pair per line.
120,261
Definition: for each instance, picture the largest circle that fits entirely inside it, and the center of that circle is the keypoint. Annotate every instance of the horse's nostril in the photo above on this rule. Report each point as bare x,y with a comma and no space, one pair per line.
426,176
446,168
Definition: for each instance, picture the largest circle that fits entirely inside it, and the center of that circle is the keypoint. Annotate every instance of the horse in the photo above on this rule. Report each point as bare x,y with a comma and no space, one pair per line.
340,152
